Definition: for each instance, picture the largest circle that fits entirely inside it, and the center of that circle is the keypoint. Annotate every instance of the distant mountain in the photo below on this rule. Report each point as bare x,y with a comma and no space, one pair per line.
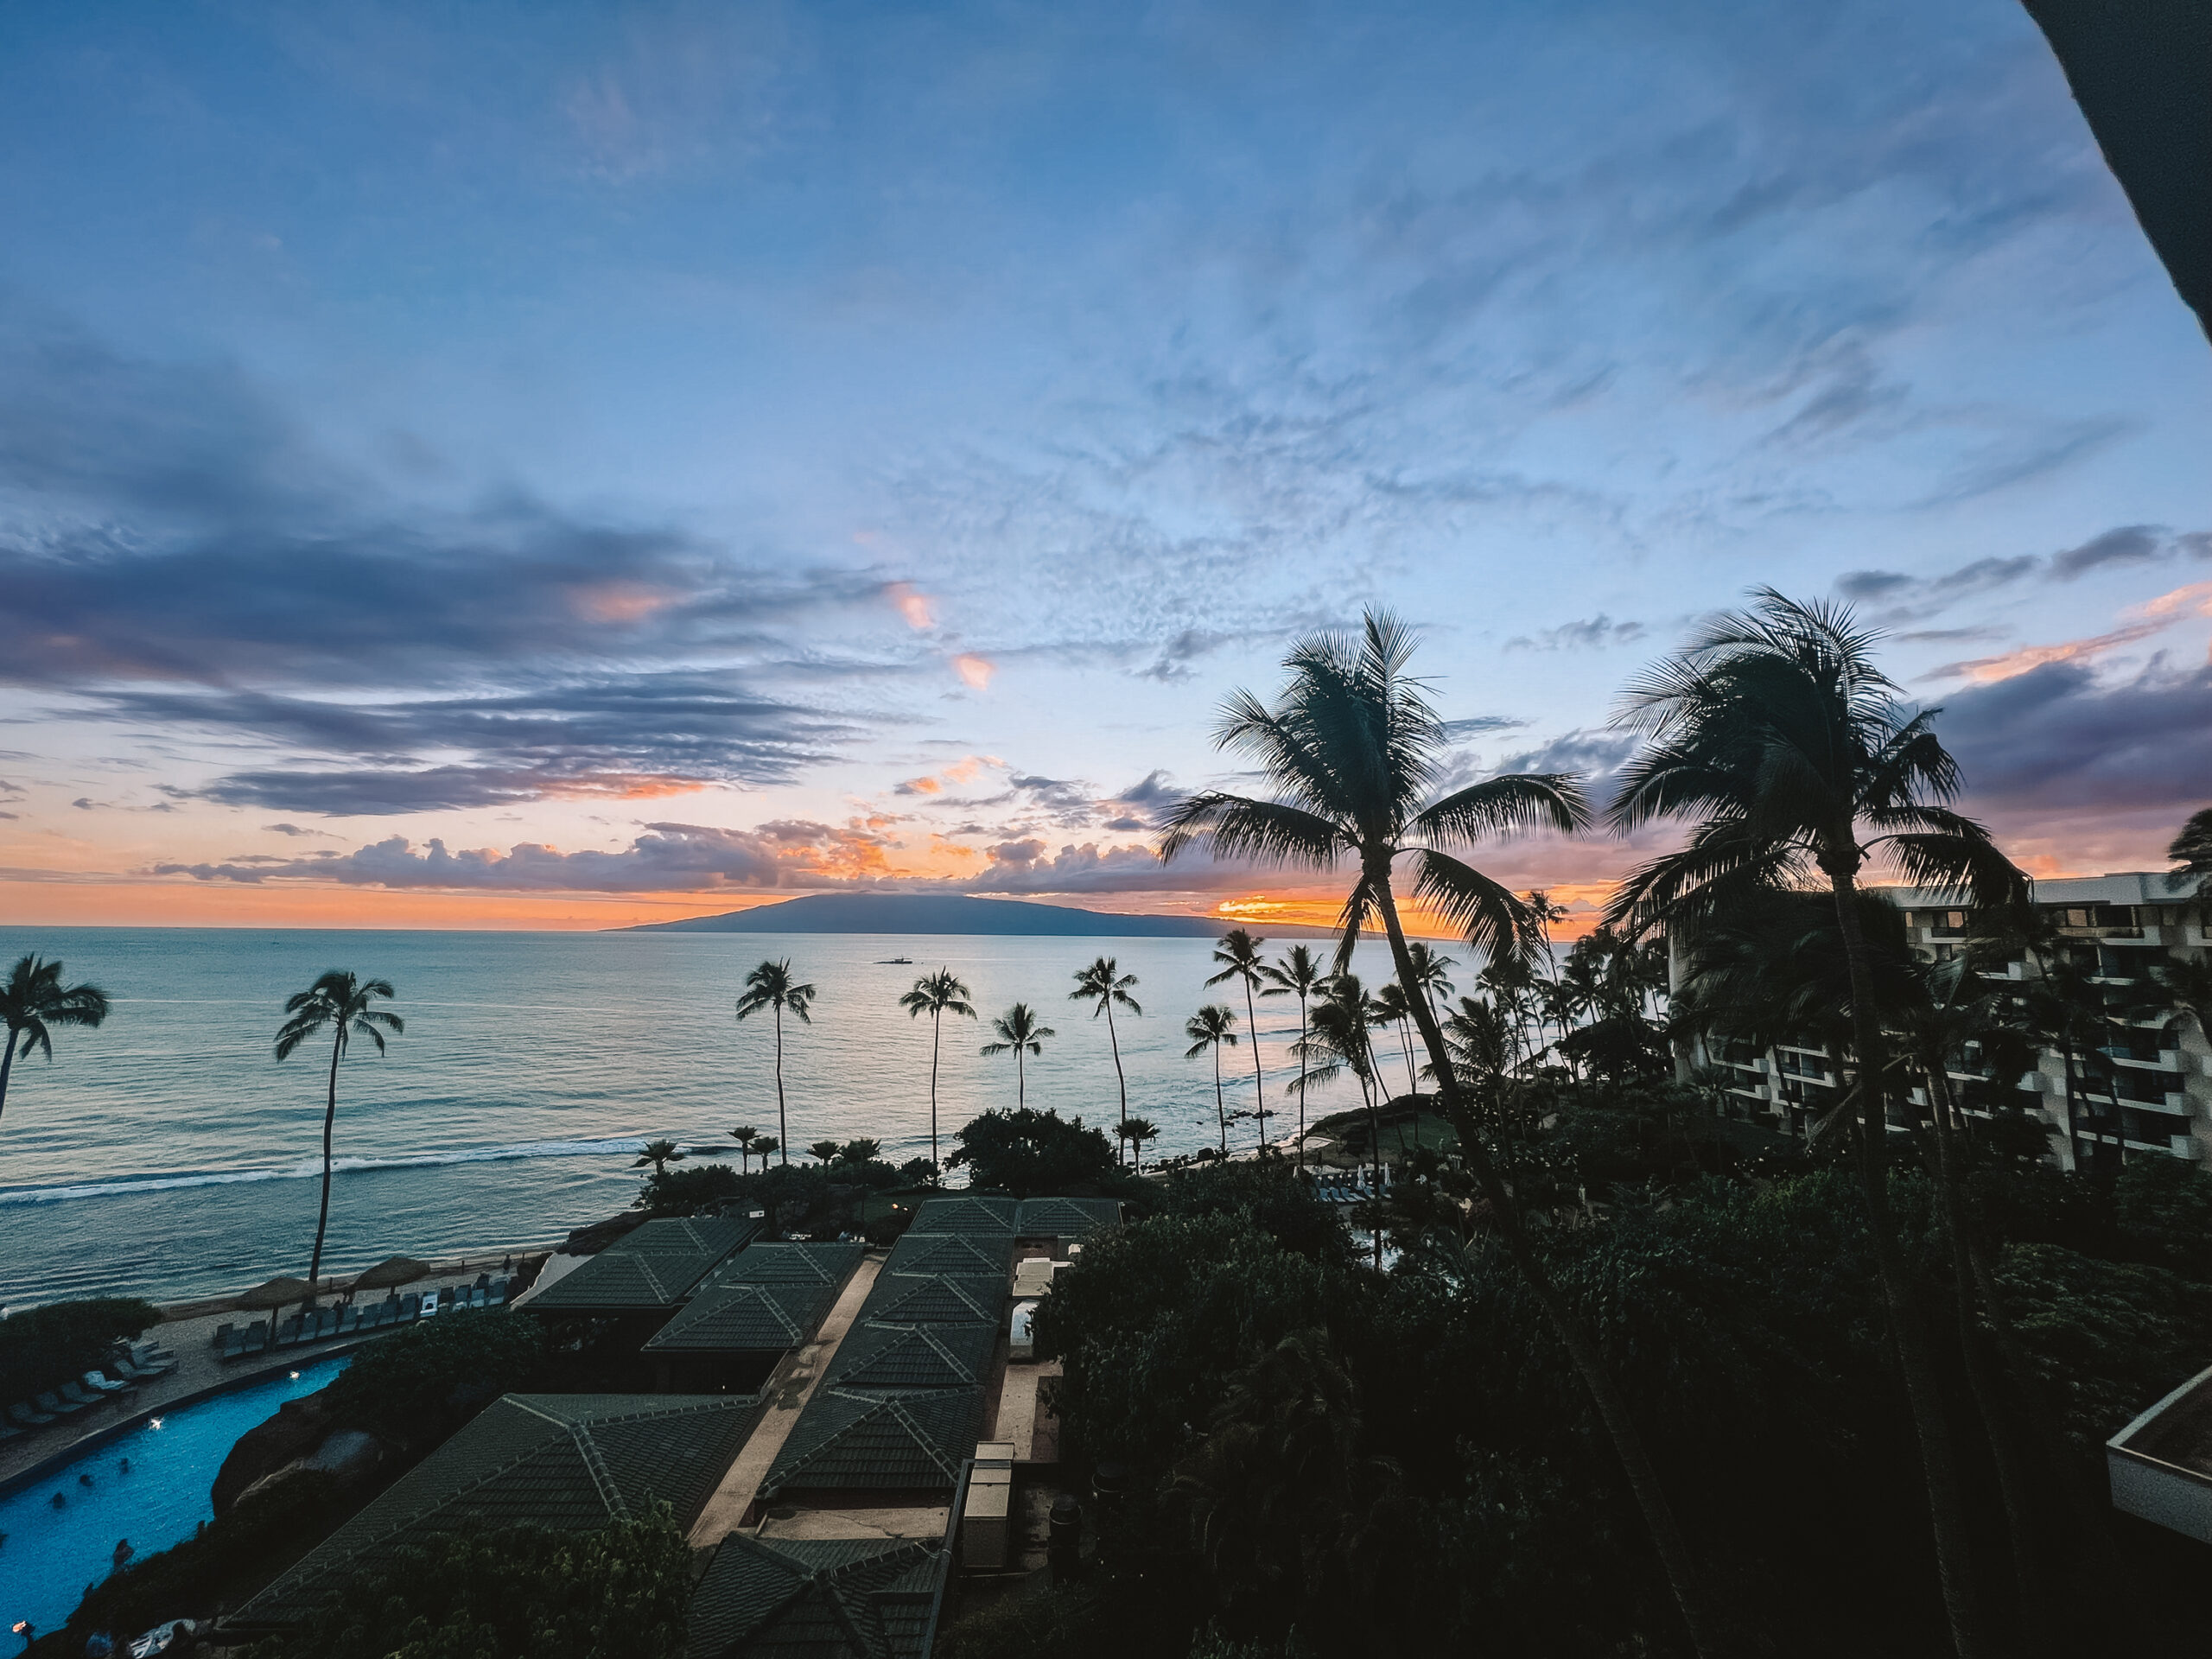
923,913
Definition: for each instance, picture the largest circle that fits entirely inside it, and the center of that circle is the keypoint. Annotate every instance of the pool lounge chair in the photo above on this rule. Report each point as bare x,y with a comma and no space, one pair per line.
9,1432
81,1394
222,1335
498,1294
100,1384
256,1339
51,1402
28,1417
410,1307
145,1369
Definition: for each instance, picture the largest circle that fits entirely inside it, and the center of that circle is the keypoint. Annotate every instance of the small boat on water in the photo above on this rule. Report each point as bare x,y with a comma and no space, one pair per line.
895,961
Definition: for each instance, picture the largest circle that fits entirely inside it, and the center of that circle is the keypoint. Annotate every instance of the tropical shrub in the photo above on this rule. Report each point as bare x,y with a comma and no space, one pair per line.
1025,1152
41,1348
418,1385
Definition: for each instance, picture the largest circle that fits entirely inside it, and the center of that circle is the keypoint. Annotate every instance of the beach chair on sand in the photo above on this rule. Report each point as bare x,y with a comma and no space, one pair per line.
410,1307
22,1413
81,1394
256,1339
51,1402
222,1335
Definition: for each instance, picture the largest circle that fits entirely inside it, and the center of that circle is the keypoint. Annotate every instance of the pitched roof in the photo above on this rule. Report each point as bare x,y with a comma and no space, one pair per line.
934,1299
963,1215
871,1440
748,1319
978,1254
565,1461
792,1263
879,1356
1065,1218
817,1598
652,1265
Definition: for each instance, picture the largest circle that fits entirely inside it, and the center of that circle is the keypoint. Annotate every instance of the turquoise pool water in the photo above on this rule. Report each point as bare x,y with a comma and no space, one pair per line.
49,1555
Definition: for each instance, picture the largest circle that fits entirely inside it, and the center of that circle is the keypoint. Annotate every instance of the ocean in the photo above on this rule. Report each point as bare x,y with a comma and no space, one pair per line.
168,1154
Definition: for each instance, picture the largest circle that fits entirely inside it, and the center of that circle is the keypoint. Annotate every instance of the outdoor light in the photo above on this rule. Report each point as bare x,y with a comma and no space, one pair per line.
157,1422
295,1377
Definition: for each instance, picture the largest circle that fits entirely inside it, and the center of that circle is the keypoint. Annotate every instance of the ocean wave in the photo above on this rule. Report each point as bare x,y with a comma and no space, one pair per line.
124,1186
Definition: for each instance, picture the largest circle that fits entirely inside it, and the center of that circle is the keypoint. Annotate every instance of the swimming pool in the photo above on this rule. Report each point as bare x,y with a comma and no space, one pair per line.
49,1555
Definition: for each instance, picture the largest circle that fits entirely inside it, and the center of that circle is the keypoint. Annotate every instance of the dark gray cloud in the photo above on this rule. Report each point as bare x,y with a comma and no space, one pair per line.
1901,597
2060,737
1590,634
1475,726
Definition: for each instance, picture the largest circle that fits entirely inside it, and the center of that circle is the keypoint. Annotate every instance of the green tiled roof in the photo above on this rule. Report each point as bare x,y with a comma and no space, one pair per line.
878,1355
982,1256
934,1299
1065,1218
652,1265
868,1441
748,1319
796,1264
963,1215
817,1598
564,1461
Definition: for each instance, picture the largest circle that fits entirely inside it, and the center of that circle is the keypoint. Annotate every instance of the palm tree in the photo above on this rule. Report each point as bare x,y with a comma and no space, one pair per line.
1137,1131
660,1154
936,994
1210,1029
1102,985
1239,955
33,999
1299,975
745,1135
770,986
1352,746
860,1150
767,1147
1798,761
1431,978
2191,852
342,1003
1342,1027
826,1151
1018,1031
1393,1009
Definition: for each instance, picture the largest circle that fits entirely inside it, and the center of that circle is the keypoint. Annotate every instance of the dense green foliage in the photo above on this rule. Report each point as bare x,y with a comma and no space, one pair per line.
417,1386
614,1593
41,1348
1025,1152
812,1198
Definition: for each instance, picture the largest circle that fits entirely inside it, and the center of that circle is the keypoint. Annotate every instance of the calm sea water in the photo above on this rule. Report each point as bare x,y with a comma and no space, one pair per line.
169,1154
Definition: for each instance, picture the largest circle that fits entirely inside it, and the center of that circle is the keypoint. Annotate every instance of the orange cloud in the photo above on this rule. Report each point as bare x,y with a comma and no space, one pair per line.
618,601
2162,612
922,786
973,670
910,603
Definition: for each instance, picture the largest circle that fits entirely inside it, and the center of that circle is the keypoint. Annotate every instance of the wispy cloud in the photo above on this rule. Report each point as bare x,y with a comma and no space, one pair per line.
2151,618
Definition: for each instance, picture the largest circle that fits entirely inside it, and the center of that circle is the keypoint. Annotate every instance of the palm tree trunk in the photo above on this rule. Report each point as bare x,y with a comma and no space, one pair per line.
1114,1042
7,1064
1301,1081
1220,1107
937,1040
1021,1079
2035,1619
783,1122
1574,1331
1938,1457
329,1124
1259,1093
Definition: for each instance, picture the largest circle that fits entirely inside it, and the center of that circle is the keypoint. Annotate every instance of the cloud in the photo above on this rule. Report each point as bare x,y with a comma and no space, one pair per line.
292,829
975,672
1475,725
2057,737
910,603
2153,618
2129,544
1589,634
1906,597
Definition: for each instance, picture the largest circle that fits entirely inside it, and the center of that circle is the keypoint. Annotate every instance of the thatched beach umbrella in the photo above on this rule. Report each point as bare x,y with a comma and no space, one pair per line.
389,1274
280,1292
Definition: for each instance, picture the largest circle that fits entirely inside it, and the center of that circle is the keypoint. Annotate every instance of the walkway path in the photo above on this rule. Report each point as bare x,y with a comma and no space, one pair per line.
789,1387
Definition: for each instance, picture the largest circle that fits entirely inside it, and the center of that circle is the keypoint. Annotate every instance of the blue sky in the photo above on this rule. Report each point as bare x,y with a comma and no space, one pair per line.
719,449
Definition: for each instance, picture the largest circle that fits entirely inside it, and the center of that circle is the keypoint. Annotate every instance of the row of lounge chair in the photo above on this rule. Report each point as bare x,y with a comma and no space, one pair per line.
243,1342
130,1365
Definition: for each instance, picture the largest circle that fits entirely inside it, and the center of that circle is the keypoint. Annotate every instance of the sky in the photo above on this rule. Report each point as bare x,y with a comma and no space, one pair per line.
559,465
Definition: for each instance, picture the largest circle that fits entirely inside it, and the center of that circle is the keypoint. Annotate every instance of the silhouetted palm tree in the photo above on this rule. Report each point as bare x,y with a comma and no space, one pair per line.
1299,975
1351,747
660,1154
1102,985
1208,1030
770,986
1239,955
1137,1131
2191,852
745,1135
767,1146
1343,1040
33,999
343,1004
826,1151
936,994
1795,759
1019,1030
860,1150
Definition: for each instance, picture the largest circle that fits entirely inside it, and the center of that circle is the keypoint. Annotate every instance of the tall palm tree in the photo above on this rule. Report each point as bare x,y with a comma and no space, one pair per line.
826,1150
660,1154
1342,1041
1394,1010
344,1005
771,986
2191,852
1351,748
33,999
767,1148
1239,956
1102,985
1432,974
1137,1131
1298,974
745,1135
1210,1030
1797,761
936,994
1020,1032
